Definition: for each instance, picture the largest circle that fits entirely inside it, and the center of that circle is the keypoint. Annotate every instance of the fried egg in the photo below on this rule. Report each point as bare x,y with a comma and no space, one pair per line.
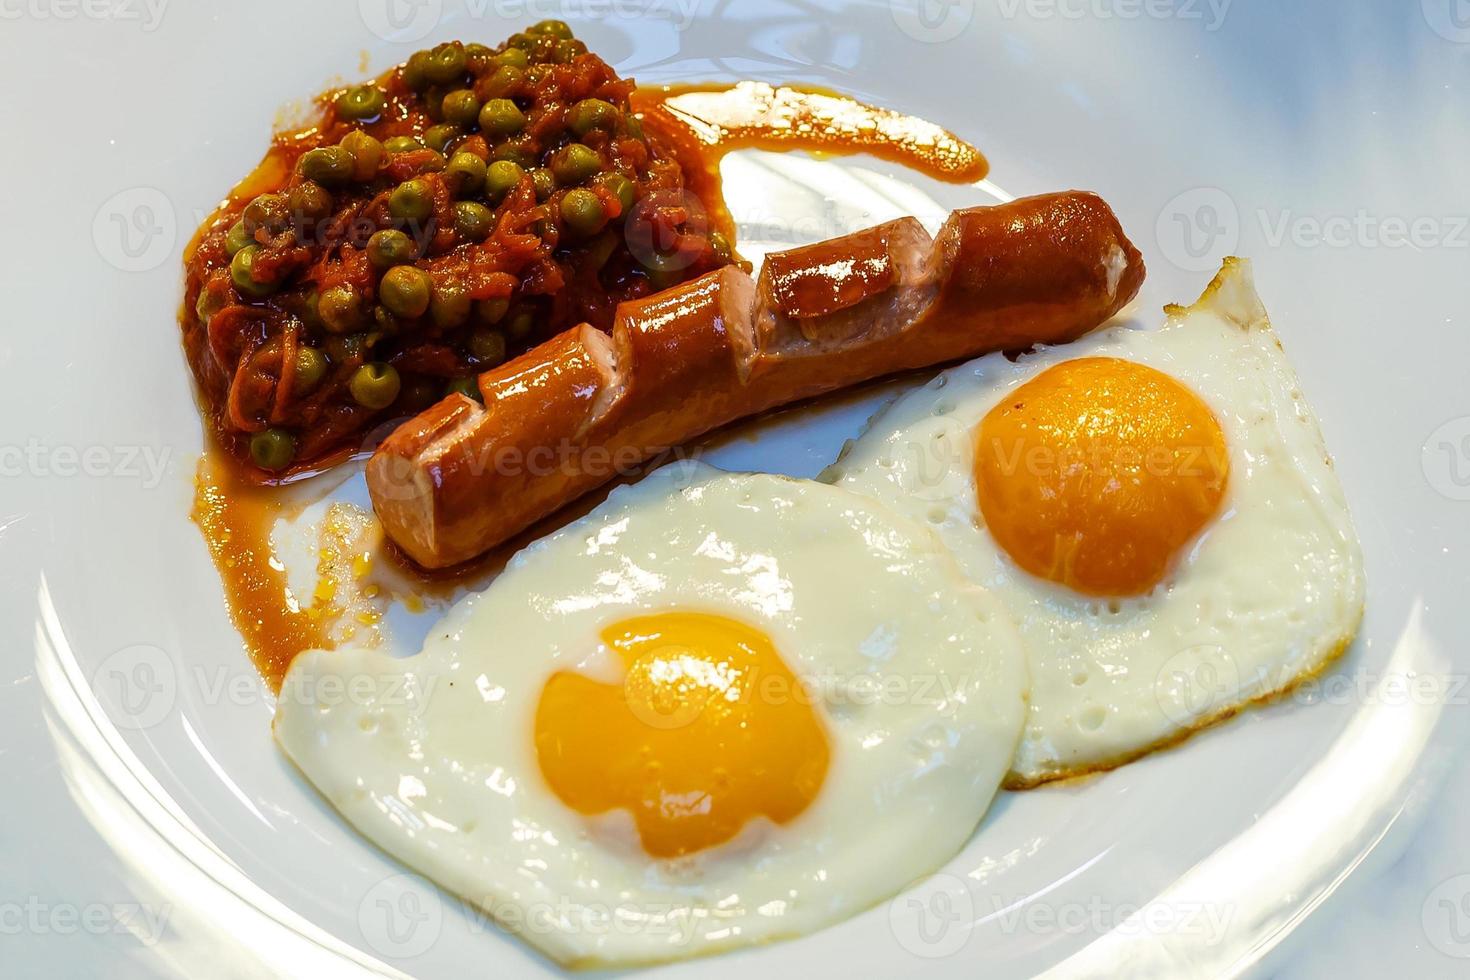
1155,508
719,710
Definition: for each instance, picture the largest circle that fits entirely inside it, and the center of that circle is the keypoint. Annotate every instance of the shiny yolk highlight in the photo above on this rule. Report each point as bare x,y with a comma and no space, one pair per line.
1097,472
706,731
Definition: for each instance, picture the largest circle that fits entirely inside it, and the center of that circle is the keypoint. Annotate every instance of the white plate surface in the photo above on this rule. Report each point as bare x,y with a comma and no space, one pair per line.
152,829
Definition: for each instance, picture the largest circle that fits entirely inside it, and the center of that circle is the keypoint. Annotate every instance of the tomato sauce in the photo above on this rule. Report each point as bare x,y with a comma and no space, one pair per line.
761,116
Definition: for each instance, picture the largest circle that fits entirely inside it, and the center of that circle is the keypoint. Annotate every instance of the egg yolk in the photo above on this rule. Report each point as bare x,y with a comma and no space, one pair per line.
1097,472
707,730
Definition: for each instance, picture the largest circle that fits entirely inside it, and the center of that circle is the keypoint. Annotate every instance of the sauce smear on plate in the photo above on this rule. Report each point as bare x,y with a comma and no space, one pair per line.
761,116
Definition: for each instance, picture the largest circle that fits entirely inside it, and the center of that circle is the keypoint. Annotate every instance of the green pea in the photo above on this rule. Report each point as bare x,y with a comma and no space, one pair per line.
340,309
450,305
500,177
518,153
414,72
310,300
620,187
273,449
238,237
574,163
467,173
556,28
268,211
501,117
367,154
440,136
445,64
503,81
512,57
404,290
491,310
582,212
242,273
412,200
311,367
460,107
476,55
327,165
544,183
468,387
361,102
487,345
590,114
309,202
566,52
521,325
388,248
375,385
402,144
520,41
473,221
536,74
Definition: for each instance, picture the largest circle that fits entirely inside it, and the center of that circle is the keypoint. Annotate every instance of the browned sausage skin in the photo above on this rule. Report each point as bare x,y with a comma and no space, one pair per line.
586,406
989,260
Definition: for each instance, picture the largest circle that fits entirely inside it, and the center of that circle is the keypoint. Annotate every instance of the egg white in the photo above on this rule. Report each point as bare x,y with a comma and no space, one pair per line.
922,681
1270,592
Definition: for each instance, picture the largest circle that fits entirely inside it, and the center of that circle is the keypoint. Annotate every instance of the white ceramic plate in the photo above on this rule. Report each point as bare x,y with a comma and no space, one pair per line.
151,827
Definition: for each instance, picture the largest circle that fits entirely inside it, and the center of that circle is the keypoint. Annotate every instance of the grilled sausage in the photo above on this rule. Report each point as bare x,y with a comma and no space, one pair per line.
571,414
